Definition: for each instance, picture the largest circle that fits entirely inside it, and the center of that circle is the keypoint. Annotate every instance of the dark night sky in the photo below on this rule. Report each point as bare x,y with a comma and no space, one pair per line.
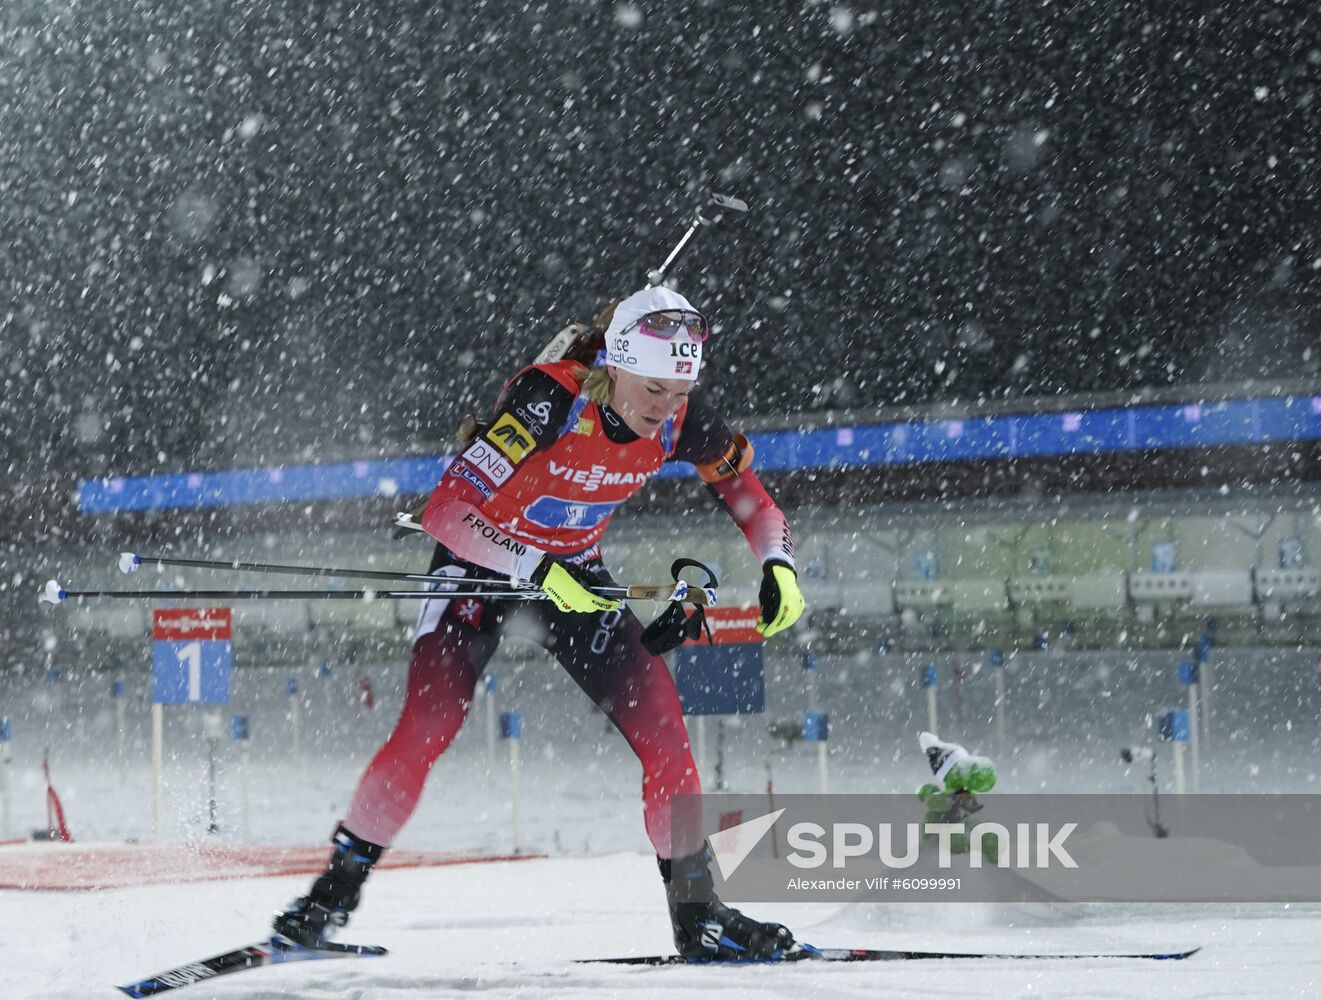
233,233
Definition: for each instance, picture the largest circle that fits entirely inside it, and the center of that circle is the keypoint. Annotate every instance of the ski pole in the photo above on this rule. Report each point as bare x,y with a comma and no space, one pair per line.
130,561
721,201
54,593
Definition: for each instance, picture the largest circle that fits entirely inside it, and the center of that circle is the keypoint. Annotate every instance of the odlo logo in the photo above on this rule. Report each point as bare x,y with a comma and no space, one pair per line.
536,413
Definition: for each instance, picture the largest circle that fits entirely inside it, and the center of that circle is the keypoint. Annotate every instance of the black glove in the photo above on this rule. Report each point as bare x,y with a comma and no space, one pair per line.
672,627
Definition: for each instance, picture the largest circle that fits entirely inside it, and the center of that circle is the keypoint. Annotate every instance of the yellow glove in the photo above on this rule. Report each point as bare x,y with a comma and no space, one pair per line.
567,586
781,600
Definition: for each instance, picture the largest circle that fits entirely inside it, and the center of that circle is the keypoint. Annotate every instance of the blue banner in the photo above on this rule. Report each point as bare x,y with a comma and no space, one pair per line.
986,438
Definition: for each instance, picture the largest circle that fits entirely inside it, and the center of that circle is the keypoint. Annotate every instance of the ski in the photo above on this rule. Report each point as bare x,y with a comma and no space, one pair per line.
807,952
273,951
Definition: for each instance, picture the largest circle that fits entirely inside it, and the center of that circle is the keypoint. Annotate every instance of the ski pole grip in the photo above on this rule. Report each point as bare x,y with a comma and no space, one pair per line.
679,565
682,593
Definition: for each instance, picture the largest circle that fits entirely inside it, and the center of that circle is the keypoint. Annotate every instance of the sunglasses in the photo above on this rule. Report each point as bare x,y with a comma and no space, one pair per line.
667,326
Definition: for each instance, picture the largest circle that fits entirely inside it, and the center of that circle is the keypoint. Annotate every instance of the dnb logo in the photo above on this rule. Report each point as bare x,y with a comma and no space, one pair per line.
485,459
511,437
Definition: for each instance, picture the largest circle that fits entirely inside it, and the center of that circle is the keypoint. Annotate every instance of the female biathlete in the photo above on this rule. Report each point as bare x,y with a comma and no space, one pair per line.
529,498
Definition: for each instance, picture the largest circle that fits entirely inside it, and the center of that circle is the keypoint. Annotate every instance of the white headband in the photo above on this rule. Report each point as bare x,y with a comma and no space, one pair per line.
651,357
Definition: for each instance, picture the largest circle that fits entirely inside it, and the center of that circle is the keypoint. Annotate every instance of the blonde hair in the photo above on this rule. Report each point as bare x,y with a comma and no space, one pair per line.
597,385
594,383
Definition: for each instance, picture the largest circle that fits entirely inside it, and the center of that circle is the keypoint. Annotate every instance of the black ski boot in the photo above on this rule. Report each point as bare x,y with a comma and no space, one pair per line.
311,919
704,926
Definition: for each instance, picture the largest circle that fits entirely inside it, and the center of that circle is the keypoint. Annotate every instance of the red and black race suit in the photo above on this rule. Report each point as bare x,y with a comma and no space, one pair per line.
522,487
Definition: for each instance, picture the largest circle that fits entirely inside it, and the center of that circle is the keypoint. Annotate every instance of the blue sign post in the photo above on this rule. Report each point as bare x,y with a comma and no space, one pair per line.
996,658
6,734
930,681
724,677
117,691
511,731
191,663
1206,682
295,720
816,727
191,656
1174,729
1190,675
238,729
490,691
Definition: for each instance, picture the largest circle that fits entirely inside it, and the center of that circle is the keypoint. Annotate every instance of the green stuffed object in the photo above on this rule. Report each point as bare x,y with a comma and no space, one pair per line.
960,776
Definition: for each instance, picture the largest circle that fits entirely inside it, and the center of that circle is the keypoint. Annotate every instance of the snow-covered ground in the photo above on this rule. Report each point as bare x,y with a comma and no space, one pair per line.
511,930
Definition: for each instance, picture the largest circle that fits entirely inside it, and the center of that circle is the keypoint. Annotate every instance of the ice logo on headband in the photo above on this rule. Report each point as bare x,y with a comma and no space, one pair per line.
651,354
687,357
